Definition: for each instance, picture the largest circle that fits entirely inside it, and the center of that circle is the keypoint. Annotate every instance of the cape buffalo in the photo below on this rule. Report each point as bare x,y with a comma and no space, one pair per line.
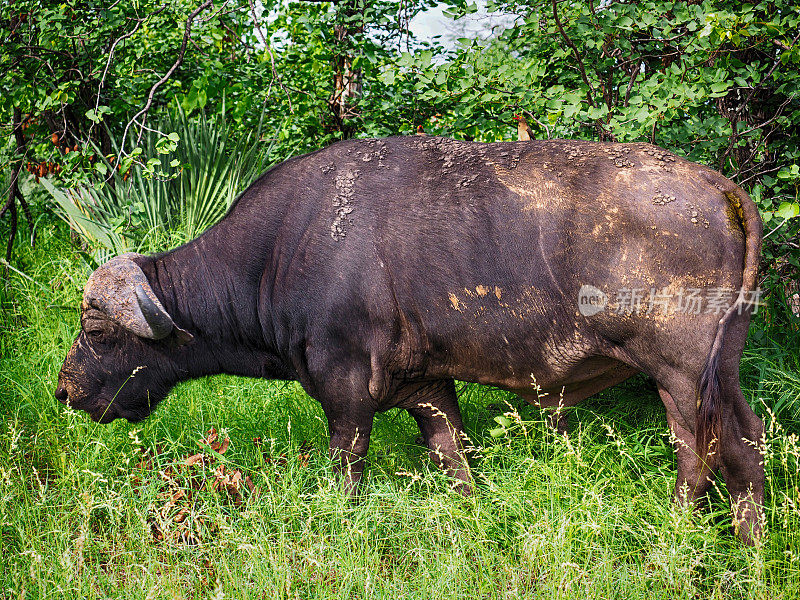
375,272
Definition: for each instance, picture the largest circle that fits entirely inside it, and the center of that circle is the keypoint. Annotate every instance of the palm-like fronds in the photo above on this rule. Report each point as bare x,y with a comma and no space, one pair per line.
216,169
212,168
91,215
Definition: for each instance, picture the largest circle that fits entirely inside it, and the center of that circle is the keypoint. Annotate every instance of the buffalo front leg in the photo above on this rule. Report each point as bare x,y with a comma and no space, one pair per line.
434,407
340,385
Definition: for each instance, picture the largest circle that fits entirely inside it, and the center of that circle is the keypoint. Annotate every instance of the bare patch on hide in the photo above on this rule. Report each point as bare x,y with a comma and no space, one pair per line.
342,204
454,301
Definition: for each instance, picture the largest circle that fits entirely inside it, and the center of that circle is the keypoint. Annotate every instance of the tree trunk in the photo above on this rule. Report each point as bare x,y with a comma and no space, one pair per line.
14,192
347,81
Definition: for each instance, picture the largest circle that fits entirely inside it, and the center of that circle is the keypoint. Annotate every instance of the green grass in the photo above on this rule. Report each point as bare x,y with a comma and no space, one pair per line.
91,511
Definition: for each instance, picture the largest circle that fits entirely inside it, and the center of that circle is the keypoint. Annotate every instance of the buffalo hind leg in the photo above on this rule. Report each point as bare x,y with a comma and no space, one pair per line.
736,454
434,407
694,478
741,461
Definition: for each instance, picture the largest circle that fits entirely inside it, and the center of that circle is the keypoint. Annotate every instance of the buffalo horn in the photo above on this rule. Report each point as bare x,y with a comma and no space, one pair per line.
157,318
120,289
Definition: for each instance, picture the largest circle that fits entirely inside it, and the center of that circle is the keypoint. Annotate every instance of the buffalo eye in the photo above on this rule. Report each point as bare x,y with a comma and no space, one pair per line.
95,334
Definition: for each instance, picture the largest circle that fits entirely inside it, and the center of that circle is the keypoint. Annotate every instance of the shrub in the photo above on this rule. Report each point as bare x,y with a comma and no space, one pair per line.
193,178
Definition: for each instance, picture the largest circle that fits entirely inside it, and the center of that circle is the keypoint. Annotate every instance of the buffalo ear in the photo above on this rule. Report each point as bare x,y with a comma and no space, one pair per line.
183,336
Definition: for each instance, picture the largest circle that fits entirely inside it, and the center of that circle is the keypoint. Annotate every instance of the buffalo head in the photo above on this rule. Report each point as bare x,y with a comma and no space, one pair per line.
122,362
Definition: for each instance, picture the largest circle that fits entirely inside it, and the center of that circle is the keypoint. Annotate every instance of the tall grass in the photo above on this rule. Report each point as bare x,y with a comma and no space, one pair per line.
91,511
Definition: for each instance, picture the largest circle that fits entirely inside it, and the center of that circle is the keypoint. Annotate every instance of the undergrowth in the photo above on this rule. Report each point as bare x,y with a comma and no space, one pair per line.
156,510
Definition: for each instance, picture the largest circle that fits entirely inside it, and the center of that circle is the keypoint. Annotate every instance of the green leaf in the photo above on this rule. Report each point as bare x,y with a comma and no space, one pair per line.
389,76
95,116
624,22
502,420
788,210
719,87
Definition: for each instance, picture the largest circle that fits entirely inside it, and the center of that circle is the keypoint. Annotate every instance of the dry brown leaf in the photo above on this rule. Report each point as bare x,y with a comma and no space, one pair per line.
173,521
166,475
210,438
193,459
213,440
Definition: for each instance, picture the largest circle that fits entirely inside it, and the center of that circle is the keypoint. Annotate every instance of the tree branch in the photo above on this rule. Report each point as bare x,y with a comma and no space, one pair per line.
143,113
570,43
275,76
781,45
766,77
735,118
13,189
114,46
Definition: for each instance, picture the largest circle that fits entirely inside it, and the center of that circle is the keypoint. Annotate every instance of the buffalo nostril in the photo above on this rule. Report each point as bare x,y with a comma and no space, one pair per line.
61,394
